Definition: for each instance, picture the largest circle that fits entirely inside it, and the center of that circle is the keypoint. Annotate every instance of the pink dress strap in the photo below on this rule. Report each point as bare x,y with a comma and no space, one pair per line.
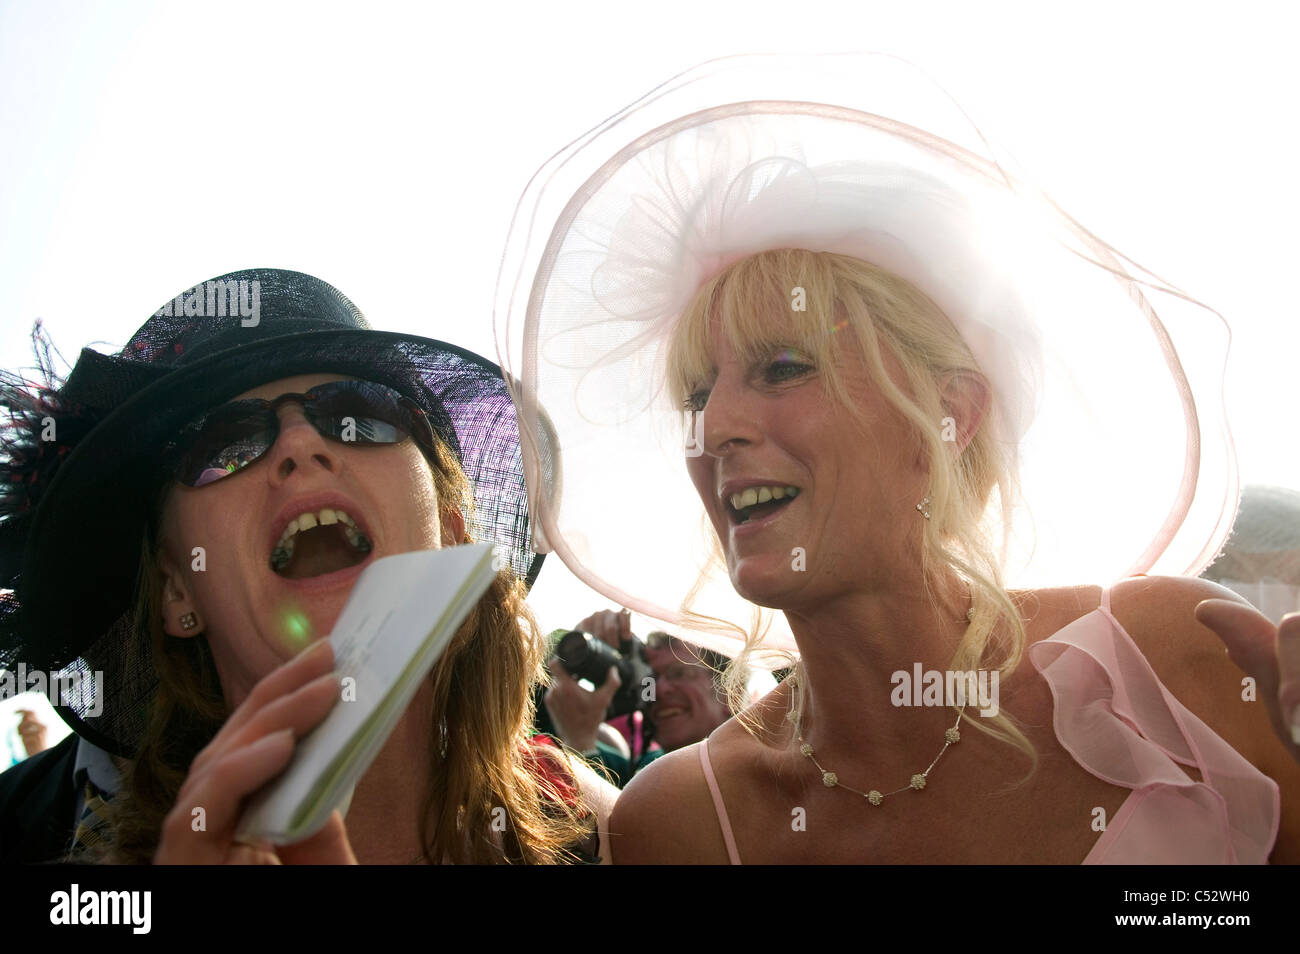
1119,722
732,854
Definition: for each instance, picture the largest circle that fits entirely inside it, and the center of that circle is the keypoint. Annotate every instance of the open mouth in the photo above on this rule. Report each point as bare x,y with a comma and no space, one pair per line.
669,712
319,542
754,503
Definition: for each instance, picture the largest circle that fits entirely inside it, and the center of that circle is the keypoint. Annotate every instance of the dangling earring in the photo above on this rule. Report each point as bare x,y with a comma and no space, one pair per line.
924,508
189,621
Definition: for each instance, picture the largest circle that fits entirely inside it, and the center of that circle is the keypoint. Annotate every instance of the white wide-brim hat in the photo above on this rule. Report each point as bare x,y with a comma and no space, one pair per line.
1107,379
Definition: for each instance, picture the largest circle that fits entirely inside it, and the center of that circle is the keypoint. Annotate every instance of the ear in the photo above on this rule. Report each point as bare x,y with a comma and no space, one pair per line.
181,617
966,398
453,527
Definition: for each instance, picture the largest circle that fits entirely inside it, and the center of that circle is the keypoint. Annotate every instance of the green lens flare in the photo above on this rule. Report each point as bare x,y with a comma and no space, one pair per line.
295,628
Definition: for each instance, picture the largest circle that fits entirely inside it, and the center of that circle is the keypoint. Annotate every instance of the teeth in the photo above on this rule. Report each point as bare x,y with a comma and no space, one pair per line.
357,539
758,495
327,516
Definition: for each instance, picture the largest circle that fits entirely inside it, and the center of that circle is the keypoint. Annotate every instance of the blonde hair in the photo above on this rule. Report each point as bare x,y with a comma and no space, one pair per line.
483,709
845,298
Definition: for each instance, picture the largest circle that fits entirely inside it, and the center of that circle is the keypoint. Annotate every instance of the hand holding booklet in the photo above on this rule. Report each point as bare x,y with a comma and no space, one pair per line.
402,613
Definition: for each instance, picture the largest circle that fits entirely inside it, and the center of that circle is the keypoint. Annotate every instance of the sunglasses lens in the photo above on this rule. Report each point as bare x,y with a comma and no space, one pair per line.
360,412
237,434
225,442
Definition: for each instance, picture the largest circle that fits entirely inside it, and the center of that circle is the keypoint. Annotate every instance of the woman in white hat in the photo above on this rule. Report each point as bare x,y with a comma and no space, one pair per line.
871,335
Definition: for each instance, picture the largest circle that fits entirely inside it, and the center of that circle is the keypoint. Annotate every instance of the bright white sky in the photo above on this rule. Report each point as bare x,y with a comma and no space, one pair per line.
145,147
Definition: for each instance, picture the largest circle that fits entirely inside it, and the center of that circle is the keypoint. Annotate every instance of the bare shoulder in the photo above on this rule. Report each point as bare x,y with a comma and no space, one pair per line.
665,815
1171,598
1159,614
1193,663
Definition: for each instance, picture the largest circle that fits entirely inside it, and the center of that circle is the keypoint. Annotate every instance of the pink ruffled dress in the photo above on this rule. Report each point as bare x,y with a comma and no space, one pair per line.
1117,720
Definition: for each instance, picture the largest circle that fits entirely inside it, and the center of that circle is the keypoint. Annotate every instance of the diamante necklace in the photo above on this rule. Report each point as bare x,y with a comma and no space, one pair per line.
951,737
831,780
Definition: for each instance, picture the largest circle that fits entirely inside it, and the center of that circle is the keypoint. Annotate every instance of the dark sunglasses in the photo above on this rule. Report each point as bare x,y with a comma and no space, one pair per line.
229,438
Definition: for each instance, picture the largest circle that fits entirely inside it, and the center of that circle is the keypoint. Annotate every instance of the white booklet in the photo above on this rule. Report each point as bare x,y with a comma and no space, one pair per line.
402,612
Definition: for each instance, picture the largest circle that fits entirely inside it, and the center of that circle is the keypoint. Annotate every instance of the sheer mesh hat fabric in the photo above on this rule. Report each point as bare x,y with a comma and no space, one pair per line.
1107,380
78,495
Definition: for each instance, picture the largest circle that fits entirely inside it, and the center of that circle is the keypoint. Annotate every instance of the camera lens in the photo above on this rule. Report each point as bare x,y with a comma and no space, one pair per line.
586,657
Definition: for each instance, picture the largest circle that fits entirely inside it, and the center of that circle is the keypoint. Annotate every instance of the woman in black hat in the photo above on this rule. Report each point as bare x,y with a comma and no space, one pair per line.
186,516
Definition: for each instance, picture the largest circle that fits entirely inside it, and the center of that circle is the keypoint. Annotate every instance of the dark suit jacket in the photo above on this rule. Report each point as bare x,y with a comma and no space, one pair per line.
38,800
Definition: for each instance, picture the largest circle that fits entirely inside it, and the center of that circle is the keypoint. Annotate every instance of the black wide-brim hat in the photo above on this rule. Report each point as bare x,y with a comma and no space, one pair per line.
75,507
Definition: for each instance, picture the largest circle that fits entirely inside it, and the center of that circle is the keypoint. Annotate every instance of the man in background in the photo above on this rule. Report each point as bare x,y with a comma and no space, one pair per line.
689,702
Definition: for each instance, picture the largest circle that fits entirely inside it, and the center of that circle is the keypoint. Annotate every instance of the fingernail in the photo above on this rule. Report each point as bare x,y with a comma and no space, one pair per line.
1295,726
313,648
275,739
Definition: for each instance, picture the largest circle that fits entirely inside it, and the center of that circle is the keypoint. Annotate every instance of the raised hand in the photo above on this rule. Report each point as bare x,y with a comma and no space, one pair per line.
32,731
254,746
1269,654
577,713
609,626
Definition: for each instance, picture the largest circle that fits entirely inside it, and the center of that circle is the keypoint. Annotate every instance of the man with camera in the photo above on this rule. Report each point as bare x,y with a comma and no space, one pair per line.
674,685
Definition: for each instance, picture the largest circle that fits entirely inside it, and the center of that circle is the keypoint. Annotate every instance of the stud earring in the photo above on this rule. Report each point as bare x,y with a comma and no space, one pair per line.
189,621
924,508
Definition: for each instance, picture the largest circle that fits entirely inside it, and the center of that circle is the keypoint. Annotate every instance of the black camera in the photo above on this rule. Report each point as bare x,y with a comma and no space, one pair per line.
584,656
